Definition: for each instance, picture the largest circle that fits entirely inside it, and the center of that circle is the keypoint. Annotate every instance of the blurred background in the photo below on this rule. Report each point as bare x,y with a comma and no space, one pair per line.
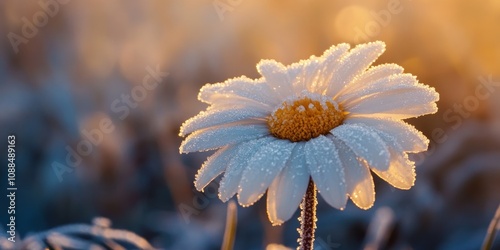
115,79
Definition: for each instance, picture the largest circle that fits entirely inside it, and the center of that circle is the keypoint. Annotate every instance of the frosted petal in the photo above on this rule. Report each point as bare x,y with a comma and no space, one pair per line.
208,139
353,64
315,73
232,176
333,55
394,82
377,72
231,101
263,167
331,59
401,171
214,117
277,77
372,75
214,166
359,181
389,140
326,170
410,139
365,143
244,87
288,189
307,74
399,103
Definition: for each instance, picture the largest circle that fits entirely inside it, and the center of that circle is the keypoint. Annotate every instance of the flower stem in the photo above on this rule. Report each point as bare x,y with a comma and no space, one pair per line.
308,218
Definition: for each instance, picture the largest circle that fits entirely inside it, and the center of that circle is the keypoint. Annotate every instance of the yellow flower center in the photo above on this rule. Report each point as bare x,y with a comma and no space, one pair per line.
305,119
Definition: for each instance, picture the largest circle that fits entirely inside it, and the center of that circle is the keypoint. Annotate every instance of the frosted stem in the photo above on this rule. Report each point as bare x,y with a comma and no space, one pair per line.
308,218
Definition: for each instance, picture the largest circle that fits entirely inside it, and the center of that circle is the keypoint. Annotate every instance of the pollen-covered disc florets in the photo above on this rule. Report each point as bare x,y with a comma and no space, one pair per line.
305,118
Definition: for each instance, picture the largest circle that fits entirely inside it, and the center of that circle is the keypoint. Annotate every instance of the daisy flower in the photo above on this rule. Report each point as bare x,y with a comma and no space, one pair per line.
330,119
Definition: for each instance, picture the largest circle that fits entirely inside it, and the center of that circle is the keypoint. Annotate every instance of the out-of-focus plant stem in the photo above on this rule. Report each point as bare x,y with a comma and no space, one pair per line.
380,229
492,229
231,222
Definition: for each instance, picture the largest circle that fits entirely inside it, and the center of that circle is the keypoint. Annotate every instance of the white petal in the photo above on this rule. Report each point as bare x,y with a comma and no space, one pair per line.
358,178
401,171
389,140
214,166
232,101
375,73
353,64
326,170
329,61
288,189
307,73
335,53
332,60
410,139
276,77
214,117
255,90
232,176
399,104
208,139
393,82
365,143
263,167
372,75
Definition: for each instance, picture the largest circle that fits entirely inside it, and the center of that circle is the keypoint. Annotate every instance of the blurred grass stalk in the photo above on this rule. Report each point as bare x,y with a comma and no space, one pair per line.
230,232
492,229
379,229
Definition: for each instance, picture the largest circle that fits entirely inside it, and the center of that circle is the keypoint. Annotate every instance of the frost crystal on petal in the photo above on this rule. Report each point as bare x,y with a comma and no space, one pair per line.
359,181
243,87
365,143
287,190
401,171
408,137
393,82
209,139
232,177
214,166
213,117
399,103
264,166
276,74
326,170
353,64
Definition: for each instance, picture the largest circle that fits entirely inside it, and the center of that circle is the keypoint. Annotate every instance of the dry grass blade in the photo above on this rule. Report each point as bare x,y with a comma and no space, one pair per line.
231,222
380,229
492,229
